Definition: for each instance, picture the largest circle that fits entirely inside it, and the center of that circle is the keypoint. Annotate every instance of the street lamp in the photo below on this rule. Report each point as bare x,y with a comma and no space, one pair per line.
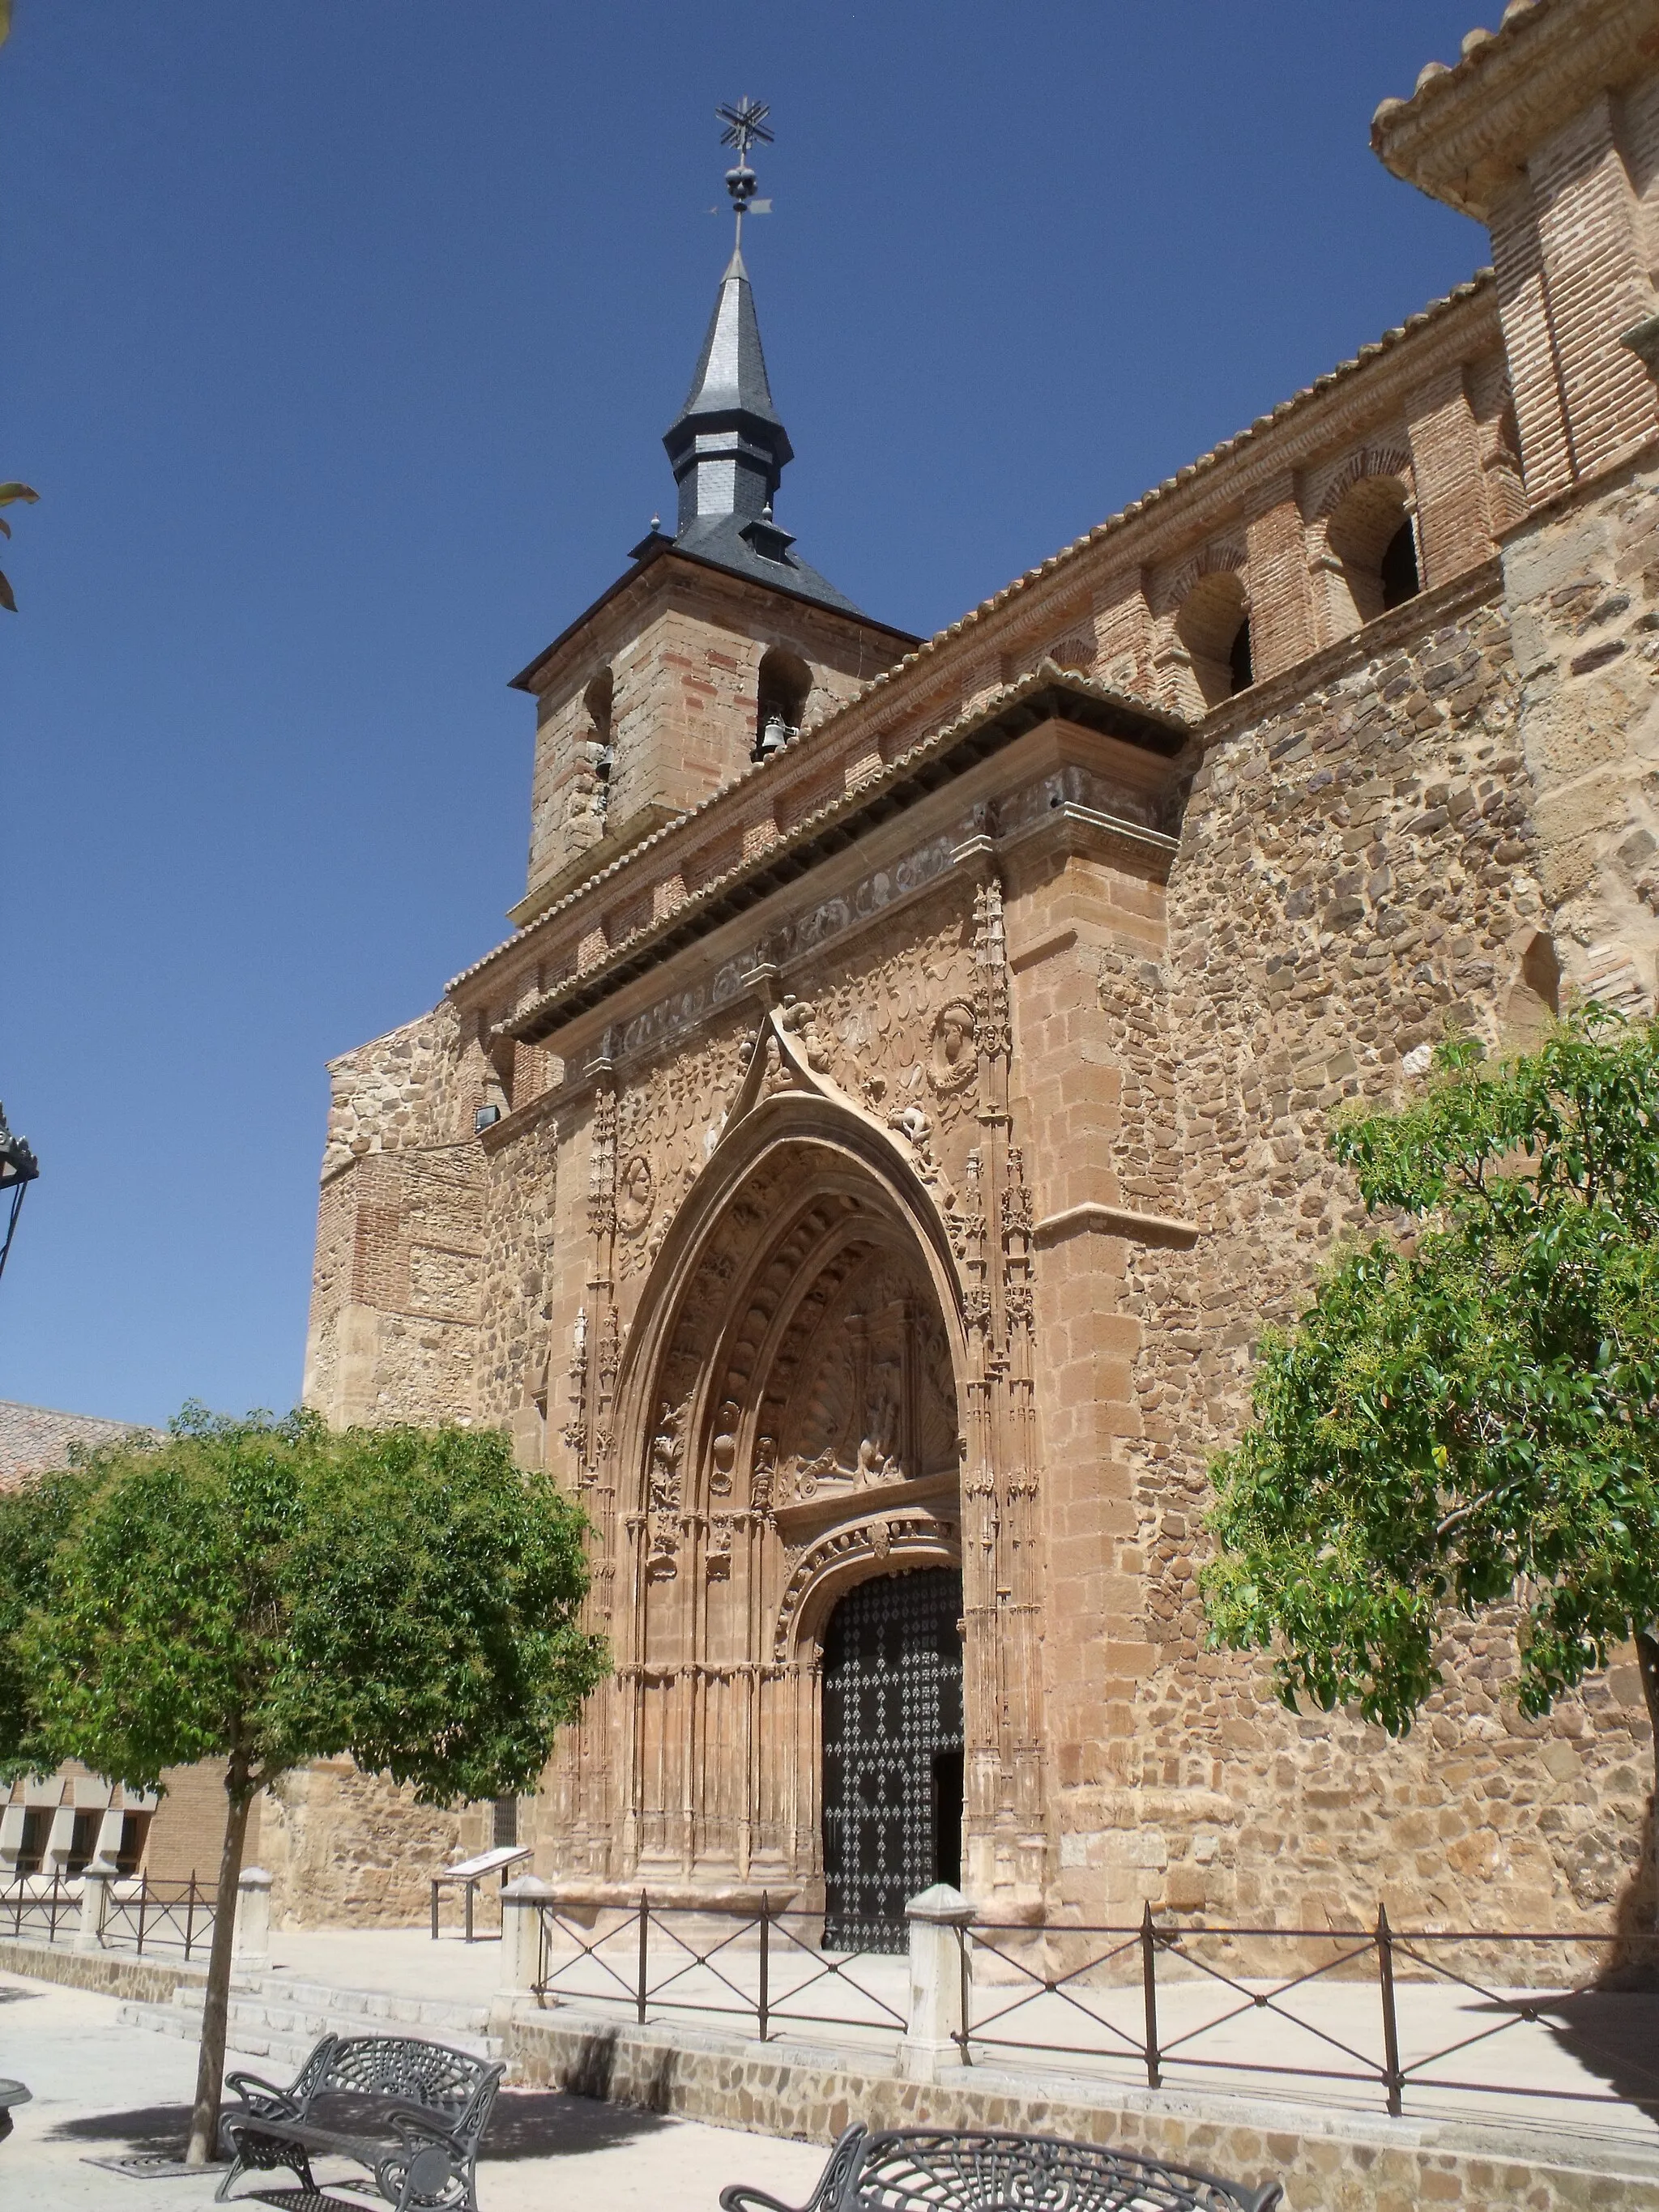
18,1168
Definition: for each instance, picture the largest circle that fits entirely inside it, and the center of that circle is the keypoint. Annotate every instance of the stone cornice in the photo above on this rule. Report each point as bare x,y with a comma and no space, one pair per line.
1048,693
1466,132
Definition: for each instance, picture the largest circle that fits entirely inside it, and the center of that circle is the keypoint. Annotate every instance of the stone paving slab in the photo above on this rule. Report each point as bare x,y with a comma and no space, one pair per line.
100,2088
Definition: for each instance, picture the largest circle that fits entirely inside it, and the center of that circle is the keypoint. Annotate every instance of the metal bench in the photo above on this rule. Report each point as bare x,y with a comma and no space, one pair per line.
993,2170
409,2110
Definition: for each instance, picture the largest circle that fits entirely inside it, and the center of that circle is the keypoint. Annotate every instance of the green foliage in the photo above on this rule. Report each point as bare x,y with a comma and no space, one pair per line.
10,493
1467,1415
265,1592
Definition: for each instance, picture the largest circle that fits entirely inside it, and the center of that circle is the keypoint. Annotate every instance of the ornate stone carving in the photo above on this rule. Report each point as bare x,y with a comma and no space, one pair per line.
953,1060
636,1192
663,1494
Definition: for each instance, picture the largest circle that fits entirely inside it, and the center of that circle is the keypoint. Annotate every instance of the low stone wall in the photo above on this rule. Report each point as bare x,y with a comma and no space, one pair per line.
151,1981
1329,2161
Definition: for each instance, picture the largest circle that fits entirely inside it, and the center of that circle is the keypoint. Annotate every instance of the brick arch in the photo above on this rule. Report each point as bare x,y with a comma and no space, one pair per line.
1221,557
1381,457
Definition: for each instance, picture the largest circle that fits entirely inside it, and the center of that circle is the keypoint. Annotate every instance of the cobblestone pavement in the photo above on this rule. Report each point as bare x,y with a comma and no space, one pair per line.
100,2089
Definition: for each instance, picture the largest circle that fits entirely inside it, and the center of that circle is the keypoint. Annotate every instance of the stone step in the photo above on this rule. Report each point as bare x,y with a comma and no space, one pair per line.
286,2033
379,2007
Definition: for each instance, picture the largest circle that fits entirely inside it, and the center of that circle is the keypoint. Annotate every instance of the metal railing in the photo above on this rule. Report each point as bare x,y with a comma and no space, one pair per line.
158,1916
1067,1977
128,1912
39,1906
687,1970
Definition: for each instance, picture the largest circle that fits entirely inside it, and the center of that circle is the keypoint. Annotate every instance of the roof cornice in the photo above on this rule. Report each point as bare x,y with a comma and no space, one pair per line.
657,549
1047,693
1465,133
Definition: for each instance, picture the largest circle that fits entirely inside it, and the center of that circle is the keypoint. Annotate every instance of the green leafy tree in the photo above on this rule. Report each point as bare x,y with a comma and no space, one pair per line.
10,493
265,1592
1467,1415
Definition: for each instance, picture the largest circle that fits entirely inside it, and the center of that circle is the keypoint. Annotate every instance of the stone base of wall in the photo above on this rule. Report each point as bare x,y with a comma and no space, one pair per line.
151,1981
1329,2161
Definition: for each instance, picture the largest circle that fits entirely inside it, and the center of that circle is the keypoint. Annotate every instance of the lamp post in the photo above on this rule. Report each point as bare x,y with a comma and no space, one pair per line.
18,1169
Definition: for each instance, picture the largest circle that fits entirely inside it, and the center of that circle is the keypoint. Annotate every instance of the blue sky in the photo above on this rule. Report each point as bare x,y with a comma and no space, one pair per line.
340,339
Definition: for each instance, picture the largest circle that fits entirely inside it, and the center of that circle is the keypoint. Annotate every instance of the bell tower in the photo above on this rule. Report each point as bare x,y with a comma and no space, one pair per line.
719,644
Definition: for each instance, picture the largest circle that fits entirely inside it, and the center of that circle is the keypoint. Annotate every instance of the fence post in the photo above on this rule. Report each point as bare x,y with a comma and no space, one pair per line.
89,1932
251,1949
521,1935
765,1962
938,2016
1149,1996
1392,2076
645,1952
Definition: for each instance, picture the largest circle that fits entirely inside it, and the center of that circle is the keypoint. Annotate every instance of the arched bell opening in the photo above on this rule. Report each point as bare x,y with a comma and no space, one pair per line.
803,1381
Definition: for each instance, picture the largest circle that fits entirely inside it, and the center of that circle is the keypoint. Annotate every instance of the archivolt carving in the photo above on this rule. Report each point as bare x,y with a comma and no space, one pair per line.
903,1539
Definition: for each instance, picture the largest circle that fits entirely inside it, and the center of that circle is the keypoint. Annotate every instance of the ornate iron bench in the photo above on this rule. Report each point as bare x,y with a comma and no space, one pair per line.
409,2110
992,2170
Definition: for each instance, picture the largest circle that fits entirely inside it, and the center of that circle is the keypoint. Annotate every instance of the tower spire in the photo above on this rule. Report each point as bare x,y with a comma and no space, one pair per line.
727,446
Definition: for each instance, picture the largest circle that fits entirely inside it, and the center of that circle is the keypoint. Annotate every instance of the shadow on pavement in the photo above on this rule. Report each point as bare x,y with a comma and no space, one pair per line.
152,2126
525,2123
552,2124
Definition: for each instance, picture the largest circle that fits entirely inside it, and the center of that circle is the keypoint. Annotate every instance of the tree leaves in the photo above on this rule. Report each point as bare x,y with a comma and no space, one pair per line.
10,493
1467,1415
264,1590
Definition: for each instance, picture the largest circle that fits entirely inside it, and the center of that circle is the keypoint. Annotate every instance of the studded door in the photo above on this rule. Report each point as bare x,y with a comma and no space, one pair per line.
892,1753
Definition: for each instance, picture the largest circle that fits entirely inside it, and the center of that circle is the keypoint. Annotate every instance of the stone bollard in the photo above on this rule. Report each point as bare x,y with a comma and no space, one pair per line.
521,1935
95,1890
935,1982
250,1954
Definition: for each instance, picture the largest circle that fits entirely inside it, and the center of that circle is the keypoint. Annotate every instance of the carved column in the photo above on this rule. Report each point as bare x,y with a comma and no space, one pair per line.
595,1357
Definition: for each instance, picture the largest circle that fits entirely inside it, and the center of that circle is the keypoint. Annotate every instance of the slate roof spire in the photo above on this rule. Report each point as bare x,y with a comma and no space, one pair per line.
727,445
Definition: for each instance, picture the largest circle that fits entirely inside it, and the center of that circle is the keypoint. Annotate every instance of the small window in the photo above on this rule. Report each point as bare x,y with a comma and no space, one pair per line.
83,1841
1400,580
37,1831
1372,543
135,1832
784,685
505,1830
1238,657
1213,625
599,699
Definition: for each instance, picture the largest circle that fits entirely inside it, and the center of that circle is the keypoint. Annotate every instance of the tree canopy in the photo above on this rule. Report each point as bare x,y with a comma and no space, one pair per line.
1467,1416
266,1592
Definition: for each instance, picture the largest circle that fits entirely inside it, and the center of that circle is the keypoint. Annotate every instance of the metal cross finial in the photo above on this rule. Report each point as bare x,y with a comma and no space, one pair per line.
745,126
745,122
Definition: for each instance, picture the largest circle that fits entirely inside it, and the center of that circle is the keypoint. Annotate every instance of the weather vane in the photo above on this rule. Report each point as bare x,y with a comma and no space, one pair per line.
745,126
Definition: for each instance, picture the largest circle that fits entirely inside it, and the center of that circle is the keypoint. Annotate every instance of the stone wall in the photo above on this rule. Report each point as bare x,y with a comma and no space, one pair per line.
1581,586
1359,872
1329,2161
352,1850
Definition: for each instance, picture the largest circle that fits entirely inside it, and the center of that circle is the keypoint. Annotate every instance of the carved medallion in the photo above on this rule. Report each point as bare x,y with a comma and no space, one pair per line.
953,1060
635,1195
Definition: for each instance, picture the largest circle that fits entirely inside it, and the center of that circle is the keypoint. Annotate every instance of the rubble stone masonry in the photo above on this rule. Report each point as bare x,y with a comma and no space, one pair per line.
899,1143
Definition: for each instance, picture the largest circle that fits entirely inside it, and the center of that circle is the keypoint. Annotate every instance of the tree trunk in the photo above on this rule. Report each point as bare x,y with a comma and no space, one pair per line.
1647,1662
216,2008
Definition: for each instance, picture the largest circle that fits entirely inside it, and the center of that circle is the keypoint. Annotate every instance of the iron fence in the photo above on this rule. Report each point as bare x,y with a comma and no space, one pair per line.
132,1913
757,1967
158,1916
37,1905
1104,1983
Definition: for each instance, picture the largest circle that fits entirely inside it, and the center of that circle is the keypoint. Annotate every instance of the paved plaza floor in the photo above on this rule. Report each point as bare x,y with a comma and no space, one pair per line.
100,2089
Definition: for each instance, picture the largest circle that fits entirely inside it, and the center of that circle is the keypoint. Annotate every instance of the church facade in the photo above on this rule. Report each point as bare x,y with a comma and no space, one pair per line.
862,1174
